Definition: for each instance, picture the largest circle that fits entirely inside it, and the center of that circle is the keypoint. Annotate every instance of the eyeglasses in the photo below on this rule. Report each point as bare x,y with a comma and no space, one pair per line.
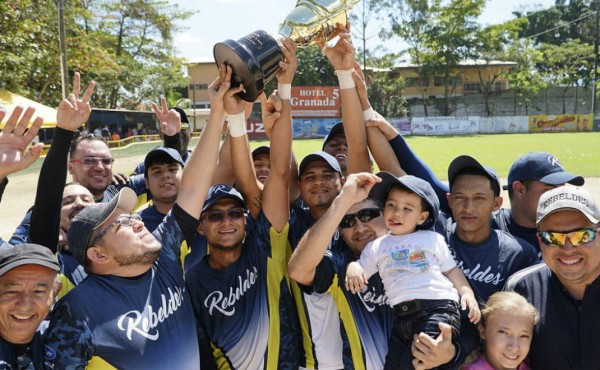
91,161
125,221
219,216
364,215
577,237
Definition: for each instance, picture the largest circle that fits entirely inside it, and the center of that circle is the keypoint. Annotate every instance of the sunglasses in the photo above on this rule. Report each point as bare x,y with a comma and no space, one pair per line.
91,161
219,216
577,237
364,215
125,221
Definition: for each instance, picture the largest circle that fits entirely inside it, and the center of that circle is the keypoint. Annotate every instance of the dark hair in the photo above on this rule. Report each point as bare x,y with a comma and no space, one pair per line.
160,159
81,137
526,183
494,185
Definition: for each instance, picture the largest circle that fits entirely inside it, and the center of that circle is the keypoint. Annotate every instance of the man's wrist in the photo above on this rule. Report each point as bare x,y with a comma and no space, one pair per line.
345,78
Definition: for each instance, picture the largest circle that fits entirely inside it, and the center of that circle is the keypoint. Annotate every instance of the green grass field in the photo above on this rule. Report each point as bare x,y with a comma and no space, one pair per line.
578,152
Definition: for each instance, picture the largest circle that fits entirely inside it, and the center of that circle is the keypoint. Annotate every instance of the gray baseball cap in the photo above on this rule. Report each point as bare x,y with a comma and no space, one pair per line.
568,198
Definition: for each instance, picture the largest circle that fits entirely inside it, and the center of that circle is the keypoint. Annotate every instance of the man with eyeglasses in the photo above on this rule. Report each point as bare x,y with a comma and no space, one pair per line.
566,288
133,309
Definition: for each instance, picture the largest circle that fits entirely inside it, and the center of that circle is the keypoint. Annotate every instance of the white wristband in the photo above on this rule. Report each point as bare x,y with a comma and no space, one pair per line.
237,124
368,114
345,79
284,91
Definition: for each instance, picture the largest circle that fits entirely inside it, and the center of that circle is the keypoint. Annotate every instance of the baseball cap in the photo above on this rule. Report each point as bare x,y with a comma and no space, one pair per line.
91,217
568,198
12,256
161,152
542,167
185,122
261,150
338,128
464,161
218,192
320,156
422,188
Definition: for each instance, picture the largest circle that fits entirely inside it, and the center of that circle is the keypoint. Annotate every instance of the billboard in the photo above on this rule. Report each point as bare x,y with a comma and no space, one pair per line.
561,123
316,101
445,125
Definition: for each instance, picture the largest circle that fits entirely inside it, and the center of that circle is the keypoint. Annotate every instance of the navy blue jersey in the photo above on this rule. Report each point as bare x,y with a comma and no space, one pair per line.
71,272
140,323
151,217
488,265
22,357
366,317
566,335
502,220
246,309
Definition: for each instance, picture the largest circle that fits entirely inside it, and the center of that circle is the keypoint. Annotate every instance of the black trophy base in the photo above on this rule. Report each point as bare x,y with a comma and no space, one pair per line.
254,59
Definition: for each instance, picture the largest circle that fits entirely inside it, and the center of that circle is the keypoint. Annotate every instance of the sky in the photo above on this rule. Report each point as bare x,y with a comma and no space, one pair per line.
218,20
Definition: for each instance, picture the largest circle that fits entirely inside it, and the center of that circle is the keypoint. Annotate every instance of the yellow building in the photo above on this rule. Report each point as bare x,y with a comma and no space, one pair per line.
202,73
466,78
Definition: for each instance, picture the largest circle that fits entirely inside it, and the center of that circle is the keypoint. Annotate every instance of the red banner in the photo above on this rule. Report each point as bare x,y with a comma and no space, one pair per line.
316,101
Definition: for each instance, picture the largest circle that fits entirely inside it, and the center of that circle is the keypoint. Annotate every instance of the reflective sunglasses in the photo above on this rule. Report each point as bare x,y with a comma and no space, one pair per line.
364,215
91,161
219,216
577,237
125,221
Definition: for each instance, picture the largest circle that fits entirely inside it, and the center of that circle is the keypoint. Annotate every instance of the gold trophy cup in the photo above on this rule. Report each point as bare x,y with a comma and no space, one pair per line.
255,57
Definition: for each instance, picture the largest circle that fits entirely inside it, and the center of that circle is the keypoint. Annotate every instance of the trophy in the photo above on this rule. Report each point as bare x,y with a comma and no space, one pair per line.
255,58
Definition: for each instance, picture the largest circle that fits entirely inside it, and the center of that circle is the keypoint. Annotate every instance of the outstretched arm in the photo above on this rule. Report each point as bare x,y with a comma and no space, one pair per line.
311,248
200,169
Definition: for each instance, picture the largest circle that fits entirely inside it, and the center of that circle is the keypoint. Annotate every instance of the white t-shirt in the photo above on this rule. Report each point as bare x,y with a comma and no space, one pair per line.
411,266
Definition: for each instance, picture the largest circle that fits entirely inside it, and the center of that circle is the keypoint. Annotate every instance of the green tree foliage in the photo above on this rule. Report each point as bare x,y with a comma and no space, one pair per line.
313,68
385,88
124,45
524,79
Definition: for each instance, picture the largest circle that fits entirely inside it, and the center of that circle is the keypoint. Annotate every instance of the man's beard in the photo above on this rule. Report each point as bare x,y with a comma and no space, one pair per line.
144,259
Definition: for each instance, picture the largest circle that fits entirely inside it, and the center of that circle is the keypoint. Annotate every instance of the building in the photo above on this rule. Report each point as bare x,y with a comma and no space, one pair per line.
202,72
466,78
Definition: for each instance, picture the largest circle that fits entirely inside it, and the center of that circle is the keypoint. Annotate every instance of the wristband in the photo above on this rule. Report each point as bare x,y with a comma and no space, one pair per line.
345,78
284,91
368,114
237,124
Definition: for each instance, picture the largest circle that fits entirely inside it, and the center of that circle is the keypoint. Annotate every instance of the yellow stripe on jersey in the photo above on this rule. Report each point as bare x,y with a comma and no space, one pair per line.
97,363
220,358
142,199
184,250
66,286
349,324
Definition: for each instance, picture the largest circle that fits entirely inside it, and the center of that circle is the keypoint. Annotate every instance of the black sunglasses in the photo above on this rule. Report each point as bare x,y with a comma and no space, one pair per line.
219,216
364,215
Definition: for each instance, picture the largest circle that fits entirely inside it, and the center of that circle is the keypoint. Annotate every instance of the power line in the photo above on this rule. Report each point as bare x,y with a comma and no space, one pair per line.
591,13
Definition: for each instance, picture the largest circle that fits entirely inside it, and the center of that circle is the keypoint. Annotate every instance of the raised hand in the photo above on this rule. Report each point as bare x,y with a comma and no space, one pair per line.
290,62
233,104
170,120
74,111
341,56
14,139
219,90
361,86
271,111
357,186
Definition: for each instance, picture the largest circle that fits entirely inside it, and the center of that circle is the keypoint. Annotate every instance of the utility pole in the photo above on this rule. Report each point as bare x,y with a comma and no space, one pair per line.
595,59
63,48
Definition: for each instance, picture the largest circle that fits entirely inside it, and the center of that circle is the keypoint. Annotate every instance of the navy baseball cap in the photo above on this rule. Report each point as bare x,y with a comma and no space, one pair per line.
161,152
12,256
422,188
320,156
91,217
464,161
261,150
568,198
185,122
338,128
218,192
542,167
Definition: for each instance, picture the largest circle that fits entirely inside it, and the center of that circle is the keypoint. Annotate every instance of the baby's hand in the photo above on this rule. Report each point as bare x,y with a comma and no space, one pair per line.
468,300
355,278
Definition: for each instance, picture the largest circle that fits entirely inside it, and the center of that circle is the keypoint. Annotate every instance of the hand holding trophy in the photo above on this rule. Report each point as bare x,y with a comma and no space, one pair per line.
255,58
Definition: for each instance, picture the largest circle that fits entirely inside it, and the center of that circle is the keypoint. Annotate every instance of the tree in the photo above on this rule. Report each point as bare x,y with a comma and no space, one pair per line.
524,79
385,88
313,68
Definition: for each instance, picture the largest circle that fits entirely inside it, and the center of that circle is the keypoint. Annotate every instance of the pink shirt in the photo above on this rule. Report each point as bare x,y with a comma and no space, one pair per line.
482,364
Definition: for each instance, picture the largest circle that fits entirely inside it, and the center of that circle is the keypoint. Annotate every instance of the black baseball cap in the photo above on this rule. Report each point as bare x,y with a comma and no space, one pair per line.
261,150
542,167
464,161
12,256
185,122
91,217
422,188
218,192
161,152
320,156
338,128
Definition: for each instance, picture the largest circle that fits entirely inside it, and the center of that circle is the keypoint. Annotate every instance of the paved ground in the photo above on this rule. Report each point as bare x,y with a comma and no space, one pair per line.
20,194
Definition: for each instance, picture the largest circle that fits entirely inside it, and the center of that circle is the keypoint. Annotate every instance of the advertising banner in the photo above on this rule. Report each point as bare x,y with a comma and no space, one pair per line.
444,125
315,101
560,123
402,125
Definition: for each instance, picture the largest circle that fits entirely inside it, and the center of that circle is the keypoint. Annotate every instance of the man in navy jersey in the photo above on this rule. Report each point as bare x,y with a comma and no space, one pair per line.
566,287
133,310
529,177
